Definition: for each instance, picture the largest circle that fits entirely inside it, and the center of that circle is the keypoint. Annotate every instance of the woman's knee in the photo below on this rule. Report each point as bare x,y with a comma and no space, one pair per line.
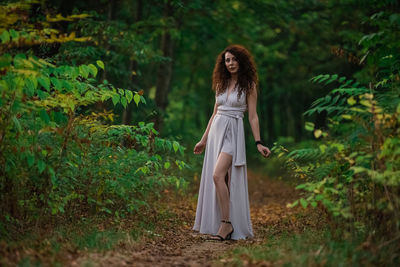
218,178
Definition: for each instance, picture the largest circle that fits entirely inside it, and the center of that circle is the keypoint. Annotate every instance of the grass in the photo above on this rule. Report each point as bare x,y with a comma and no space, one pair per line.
57,244
312,248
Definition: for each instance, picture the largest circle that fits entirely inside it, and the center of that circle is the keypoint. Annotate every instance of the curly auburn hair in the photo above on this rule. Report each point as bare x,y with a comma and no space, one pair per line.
247,73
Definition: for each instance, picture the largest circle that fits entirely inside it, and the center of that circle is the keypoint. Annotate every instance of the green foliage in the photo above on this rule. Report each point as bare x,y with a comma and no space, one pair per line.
311,248
354,170
58,154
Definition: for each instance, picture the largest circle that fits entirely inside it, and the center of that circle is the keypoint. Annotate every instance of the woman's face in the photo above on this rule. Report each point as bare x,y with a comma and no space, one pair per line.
231,63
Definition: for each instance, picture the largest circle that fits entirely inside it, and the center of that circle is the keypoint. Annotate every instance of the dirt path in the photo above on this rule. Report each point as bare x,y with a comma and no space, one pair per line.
180,246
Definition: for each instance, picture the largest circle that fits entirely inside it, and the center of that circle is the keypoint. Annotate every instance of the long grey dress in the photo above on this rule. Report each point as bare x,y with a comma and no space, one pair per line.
226,133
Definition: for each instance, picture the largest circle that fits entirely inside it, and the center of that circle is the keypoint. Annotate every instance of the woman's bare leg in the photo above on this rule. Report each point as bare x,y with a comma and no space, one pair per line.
222,166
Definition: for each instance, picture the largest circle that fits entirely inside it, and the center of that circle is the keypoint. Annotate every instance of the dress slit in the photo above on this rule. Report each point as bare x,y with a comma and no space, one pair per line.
228,179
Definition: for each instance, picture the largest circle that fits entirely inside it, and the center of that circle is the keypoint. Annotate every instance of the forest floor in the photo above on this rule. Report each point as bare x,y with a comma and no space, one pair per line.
174,243
162,235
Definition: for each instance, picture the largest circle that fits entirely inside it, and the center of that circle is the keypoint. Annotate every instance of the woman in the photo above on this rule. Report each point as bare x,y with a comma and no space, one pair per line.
223,204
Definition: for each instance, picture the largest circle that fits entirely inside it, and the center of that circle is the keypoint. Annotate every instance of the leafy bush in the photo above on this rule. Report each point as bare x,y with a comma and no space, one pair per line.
353,171
57,153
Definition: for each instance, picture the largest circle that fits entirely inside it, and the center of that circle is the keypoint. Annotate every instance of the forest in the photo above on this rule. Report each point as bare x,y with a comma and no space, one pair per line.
102,103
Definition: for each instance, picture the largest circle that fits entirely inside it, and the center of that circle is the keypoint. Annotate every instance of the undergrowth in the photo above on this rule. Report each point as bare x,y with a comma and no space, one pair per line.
312,248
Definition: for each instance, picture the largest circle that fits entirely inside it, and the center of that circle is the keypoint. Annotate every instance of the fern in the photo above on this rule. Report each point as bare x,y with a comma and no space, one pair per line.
351,91
335,101
324,170
305,154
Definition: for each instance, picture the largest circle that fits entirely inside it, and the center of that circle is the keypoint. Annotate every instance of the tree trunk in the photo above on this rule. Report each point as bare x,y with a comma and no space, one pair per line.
112,4
164,74
133,67
290,131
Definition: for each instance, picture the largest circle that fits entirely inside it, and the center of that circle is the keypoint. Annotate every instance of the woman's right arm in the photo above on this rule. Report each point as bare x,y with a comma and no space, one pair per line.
201,145
205,135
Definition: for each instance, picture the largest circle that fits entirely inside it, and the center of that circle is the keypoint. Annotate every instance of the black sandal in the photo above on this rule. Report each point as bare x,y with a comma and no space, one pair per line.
228,236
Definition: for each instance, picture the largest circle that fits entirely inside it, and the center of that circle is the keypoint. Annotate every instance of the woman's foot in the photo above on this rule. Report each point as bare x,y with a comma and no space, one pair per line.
225,231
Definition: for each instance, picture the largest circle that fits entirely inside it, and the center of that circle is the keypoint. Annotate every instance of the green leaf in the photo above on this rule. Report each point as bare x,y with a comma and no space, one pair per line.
136,98
181,150
45,82
73,72
31,159
5,37
17,124
59,117
301,186
56,83
100,64
143,99
351,101
42,94
309,126
92,69
14,34
44,116
84,71
15,107
175,145
328,98
333,78
168,144
180,164
315,78
82,87
317,133
167,165
54,211
124,102
294,204
19,82
19,58
303,202
5,60
314,204
324,78
357,169
322,148
31,85
115,99
68,85
129,95
61,209
41,165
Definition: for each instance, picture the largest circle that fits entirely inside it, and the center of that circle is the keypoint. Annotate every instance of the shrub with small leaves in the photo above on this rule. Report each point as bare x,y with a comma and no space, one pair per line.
58,155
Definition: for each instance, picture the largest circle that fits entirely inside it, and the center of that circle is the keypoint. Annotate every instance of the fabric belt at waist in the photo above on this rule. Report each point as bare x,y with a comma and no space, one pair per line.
239,155
231,113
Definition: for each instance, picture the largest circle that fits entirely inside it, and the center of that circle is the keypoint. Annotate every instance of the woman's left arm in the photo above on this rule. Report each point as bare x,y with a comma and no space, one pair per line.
254,123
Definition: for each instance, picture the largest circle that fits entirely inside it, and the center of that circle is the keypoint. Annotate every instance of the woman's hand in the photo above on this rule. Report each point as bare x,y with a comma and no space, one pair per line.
199,147
265,152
